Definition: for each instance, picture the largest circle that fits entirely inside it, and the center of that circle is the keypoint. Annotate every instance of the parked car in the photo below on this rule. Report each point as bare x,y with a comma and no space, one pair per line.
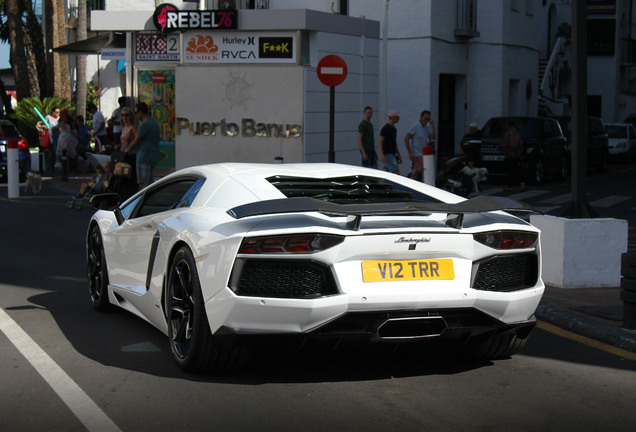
220,256
24,157
544,153
622,141
597,141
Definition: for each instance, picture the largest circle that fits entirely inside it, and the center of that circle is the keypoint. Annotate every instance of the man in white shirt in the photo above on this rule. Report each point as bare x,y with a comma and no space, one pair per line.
99,125
419,135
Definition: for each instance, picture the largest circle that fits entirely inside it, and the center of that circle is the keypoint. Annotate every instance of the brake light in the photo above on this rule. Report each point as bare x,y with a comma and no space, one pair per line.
303,243
22,144
507,239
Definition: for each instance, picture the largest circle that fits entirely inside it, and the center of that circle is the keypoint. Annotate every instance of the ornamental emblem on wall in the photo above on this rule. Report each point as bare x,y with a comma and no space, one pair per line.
238,90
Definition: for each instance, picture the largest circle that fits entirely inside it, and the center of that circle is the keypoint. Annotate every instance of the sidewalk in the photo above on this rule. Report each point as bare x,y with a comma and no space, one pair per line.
596,313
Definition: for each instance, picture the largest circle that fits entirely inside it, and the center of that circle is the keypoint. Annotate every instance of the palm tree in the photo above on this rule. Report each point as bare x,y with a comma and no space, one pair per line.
57,69
18,56
33,43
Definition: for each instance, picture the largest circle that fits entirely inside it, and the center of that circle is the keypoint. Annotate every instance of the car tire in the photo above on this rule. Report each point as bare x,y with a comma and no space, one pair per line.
538,172
496,347
97,271
563,171
193,346
602,166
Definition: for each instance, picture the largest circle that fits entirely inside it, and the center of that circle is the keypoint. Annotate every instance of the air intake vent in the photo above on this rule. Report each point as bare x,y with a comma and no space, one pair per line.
507,273
284,279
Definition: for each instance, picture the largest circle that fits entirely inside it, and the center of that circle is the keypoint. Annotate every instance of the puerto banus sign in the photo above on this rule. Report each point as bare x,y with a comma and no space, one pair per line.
168,18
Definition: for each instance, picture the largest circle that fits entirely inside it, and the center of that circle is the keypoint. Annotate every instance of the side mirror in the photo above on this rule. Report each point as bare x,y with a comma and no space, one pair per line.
109,202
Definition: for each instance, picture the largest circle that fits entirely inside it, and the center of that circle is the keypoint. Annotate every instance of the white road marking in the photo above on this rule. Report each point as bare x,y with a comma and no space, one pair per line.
609,201
527,194
87,411
559,199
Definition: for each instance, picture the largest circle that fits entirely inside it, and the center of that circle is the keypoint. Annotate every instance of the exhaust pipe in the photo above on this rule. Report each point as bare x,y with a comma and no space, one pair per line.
410,328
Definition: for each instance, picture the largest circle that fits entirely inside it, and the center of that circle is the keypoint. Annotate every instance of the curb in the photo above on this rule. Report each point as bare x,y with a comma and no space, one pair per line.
618,337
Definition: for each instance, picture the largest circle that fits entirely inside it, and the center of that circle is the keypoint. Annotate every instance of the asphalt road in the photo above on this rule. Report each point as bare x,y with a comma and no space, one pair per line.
68,367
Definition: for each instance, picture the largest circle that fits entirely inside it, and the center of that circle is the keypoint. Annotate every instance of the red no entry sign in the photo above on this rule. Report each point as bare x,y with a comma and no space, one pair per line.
332,70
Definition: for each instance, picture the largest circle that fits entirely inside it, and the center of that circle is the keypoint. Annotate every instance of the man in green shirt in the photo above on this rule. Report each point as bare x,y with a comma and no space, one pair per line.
366,141
147,142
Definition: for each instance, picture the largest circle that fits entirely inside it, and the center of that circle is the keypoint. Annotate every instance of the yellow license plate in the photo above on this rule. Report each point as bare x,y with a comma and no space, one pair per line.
407,270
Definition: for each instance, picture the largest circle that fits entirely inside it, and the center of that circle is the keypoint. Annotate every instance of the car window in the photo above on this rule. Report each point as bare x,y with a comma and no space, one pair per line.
176,194
9,130
528,127
353,189
616,131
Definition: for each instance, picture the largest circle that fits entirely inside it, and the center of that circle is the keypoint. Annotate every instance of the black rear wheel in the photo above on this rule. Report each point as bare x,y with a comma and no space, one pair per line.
193,346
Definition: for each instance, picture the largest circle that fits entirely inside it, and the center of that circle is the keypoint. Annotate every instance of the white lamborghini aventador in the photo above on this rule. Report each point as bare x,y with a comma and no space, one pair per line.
217,255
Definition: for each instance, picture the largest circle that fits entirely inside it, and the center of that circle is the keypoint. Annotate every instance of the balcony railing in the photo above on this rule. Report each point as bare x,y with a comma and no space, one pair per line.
466,19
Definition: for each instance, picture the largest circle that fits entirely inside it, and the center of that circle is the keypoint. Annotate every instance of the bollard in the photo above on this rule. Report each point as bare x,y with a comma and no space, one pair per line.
35,159
13,169
428,156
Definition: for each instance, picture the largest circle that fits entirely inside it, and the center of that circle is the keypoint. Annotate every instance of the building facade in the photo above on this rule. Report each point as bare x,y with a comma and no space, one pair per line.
464,60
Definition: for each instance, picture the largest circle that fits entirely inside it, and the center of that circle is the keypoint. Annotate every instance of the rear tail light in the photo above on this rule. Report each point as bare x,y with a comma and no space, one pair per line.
22,144
304,243
507,239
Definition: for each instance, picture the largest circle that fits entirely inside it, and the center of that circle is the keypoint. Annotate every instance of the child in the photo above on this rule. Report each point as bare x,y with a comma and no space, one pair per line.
99,182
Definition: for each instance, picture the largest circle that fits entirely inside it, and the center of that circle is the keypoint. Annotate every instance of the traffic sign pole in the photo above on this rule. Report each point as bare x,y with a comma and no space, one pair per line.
332,71
332,106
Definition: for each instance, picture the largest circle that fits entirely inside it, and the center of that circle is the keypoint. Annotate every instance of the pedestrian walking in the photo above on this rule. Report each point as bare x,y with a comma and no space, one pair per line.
366,142
389,151
146,144
512,148
419,135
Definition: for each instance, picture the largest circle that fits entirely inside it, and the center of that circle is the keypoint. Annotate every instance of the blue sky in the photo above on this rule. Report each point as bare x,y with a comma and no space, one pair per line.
4,56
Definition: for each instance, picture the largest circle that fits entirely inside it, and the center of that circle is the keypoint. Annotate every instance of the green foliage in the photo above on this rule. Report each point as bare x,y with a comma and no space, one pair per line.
25,113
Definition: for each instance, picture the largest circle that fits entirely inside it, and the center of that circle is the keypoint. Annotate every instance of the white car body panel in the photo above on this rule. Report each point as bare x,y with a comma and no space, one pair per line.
214,237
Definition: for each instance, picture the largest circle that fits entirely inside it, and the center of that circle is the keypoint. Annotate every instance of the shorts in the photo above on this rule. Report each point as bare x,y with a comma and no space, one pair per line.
145,173
418,164
372,159
390,163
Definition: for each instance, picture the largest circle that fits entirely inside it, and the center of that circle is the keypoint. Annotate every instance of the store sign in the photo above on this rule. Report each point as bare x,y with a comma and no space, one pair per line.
113,53
157,47
168,18
247,128
239,47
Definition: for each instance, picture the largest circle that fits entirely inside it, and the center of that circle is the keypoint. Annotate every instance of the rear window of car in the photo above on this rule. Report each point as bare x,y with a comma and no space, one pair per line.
9,130
356,189
616,131
530,128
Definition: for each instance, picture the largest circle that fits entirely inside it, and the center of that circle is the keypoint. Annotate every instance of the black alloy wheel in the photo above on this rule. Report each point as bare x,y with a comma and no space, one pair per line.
97,271
193,346
180,306
563,171
538,172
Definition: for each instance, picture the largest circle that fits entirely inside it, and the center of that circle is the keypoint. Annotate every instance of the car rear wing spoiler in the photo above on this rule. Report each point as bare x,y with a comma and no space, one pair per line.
354,212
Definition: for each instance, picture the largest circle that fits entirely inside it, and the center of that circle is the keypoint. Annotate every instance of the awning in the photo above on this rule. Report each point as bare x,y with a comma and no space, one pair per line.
93,45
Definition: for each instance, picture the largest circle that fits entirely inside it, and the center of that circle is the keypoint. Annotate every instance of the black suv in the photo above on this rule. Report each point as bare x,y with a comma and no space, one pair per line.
597,141
24,156
544,147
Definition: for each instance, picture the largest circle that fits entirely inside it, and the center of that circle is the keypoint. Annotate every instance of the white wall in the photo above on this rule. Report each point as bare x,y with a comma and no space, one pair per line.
270,94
